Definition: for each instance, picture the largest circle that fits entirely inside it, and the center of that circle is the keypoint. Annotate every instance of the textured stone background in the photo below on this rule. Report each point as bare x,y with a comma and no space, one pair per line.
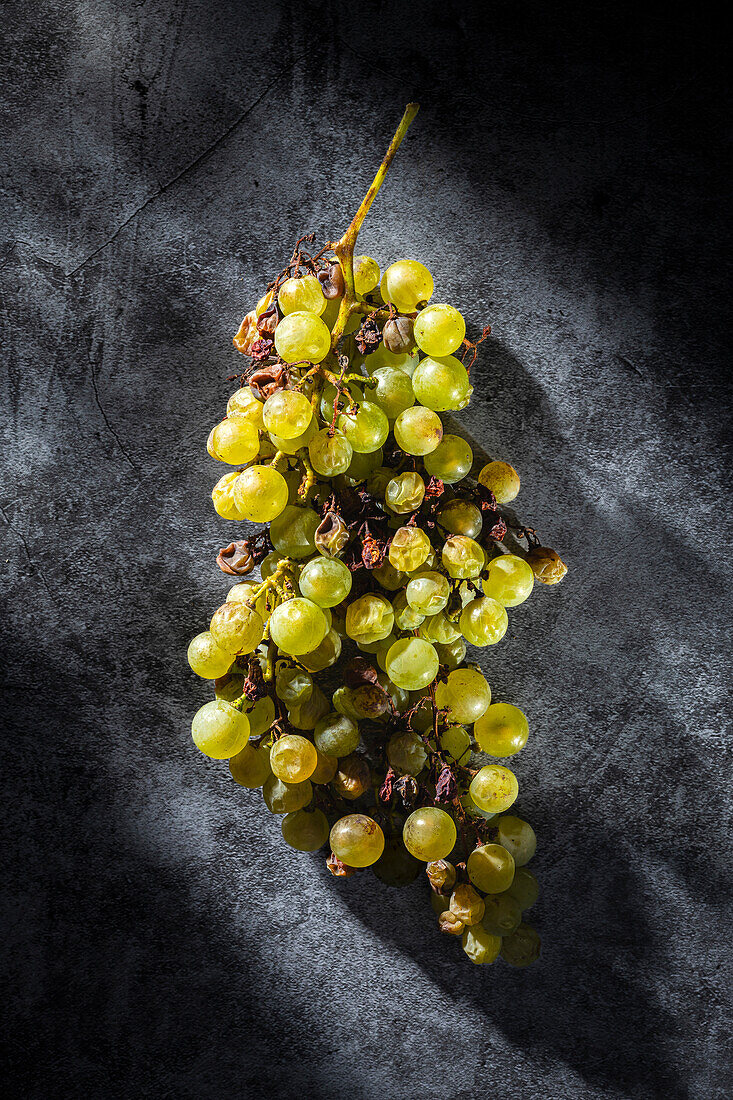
565,181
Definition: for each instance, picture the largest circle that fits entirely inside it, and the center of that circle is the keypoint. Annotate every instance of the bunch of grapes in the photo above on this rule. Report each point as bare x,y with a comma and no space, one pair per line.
343,685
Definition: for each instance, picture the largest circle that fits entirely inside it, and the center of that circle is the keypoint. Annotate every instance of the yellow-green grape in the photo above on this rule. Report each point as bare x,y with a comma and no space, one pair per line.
418,430
383,649
330,454
451,460
326,581
302,336
518,837
206,657
305,830
293,532
362,465
324,655
400,698
439,630
366,274
405,361
235,440
292,446
510,580
472,809
297,626
223,496
370,618
428,592
250,768
422,717
301,294
467,904
261,716
286,798
406,753
494,788
524,889
230,687
406,284
404,616
460,517
293,758
465,695
502,914
243,591
451,654
340,399
409,549
404,493
439,902
292,685
264,303
442,384
429,833
462,557
412,664
219,730
439,331
307,715
501,479
336,735
325,769
244,403
491,868
502,730
389,577
481,946
483,622
366,429
260,493
457,743
287,413
396,867
393,392
522,947
357,840
237,628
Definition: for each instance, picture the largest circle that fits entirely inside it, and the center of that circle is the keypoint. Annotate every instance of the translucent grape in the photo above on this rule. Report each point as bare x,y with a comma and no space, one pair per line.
330,454
223,496
422,717
236,628
439,630
400,698
483,622
457,743
260,716
404,616
429,833
286,798
362,465
502,731
393,392
296,625
522,947
389,577
418,431
467,904
244,403
462,557
370,618
326,768
383,357
287,413
336,735
524,889
396,867
293,758
292,446
406,283
301,294
439,331
451,460
406,753
472,809
367,429
219,730
325,581
261,493
366,274
452,654
510,580
206,657
243,591
428,593
236,441
357,840
251,766
412,664
305,830
442,384
331,397
409,549
265,302
481,947
292,685
302,335
307,715
465,695
293,532
404,493
460,517
518,837
324,655
502,914
229,687
501,479
494,788
491,868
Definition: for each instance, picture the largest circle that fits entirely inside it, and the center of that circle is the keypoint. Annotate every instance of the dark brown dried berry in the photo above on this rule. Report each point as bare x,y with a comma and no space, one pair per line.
236,559
353,776
372,552
407,788
371,700
434,488
264,381
359,672
446,788
398,334
368,338
339,869
385,791
267,321
332,281
262,348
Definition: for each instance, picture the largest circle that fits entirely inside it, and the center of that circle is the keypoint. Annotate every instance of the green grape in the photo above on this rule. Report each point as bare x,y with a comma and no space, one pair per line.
412,664
223,496
442,384
367,429
352,778
518,837
396,867
251,766
467,904
243,591
219,730
366,274
292,685
423,716
331,397
483,622
429,833
405,361
502,914
370,618
460,517
330,454
293,758
361,465
439,902
481,946
235,440
260,493
451,460
406,284
502,731
296,625
324,655
418,430
269,564
472,809
378,480
267,450
501,479
206,657
439,630
292,446
404,616
261,716
406,753
301,294
302,336
462,557
325,581
244,403
525,888
389,577
428,593
286,798
465,695
336,735
491,868
457,743
305,830
510,580
440,330
357,840
237,628
287,413
404,493
383,649
307,715
229,687
451,654
393,391
400,698
409,549
522,948
326,768
494,788
293,532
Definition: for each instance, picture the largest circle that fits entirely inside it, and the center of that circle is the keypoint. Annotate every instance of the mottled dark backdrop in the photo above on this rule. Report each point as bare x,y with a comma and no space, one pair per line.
564,181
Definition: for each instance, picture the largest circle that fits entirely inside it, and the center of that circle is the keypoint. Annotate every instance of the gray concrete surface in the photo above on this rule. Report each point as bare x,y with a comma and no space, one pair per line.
564,181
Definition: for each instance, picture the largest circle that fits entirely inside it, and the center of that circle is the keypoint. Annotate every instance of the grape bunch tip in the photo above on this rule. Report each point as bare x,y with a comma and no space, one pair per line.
342,688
